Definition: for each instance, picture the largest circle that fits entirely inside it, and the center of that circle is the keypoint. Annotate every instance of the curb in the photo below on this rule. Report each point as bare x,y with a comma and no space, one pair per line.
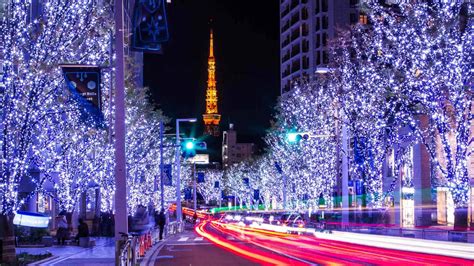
155,250
37,263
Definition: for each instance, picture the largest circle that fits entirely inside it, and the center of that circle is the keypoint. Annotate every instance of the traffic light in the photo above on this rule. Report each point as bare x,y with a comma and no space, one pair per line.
189,147
295,137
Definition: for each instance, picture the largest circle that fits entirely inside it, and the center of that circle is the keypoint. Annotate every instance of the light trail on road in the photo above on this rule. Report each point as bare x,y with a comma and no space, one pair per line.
259,256
309,249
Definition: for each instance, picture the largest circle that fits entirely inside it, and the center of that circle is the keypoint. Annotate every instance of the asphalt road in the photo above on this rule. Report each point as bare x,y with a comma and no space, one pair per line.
190,249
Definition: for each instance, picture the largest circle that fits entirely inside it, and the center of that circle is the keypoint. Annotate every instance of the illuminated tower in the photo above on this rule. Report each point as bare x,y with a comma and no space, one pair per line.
211,117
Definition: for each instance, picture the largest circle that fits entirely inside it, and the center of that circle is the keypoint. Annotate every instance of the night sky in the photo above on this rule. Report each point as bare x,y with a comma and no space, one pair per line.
246,44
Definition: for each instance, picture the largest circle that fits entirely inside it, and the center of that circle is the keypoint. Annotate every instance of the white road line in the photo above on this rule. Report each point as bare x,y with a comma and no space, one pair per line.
230,238
185,238
198,239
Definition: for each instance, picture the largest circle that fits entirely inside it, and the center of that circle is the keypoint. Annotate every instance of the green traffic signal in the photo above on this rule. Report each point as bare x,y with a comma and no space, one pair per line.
292,137
295,137
189,145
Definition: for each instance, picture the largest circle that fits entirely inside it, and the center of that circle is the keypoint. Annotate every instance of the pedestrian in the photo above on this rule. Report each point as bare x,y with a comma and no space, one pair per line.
161,221
62,232
82,229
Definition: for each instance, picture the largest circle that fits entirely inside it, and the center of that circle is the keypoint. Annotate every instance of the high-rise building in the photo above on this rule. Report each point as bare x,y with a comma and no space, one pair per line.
233,151
211,118
306,26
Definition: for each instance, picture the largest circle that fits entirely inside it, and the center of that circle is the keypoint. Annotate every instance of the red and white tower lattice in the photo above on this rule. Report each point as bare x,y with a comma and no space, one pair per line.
211,118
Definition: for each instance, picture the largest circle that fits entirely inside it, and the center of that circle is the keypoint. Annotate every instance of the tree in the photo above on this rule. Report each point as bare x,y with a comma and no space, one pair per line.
33,50
430,49
208,188
309,165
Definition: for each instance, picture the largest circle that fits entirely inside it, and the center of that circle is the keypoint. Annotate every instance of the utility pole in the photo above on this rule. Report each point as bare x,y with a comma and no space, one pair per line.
121,221
161,166
179,217
195,187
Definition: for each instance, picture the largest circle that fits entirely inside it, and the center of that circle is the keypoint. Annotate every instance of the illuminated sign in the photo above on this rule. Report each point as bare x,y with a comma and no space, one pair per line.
199,159
31,219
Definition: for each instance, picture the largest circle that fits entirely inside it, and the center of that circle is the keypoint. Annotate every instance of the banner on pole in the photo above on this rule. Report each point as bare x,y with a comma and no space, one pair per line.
188,193
149,25
200,177
216,184
256,194
246,181
84,84
167,175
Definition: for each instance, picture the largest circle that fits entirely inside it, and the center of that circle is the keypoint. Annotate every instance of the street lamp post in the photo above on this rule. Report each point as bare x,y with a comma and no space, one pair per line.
178,168
120,163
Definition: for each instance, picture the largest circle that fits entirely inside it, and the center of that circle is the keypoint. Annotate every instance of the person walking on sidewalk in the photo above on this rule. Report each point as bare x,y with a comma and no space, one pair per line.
161,221
62,232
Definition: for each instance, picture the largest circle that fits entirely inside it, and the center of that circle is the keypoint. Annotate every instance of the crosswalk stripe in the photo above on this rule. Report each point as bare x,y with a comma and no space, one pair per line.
183,238
198,239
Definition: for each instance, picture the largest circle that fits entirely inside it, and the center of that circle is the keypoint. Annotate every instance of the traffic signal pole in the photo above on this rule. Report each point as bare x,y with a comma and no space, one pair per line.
179,215
194,191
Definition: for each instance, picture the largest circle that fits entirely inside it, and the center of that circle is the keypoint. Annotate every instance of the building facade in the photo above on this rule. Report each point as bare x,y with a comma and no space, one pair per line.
306,26
233,151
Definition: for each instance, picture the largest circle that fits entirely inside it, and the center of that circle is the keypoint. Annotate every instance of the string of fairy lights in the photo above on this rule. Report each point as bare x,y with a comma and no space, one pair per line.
405,79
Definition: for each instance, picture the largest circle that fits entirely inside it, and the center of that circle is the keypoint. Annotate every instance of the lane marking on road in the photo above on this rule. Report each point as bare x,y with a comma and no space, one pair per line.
230,238
164,257
182,239
198,239
190,244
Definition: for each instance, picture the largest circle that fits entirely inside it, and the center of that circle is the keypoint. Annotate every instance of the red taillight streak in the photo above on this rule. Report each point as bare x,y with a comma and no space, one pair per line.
330,247
253,254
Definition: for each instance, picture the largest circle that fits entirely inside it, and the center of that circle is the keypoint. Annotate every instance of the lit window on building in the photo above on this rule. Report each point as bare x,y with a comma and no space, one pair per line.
363,19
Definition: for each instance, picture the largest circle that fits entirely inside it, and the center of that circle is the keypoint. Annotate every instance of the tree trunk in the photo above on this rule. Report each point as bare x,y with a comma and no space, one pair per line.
460,219
7,236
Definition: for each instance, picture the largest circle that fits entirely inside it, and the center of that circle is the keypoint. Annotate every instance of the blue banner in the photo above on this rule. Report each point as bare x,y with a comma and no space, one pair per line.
167,175
359,187
149,25
246,181
256,194
188,193
216,184
84,84
278,167
200,178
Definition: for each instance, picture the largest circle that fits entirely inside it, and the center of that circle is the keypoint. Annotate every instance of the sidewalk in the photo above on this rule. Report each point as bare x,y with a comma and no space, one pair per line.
101,254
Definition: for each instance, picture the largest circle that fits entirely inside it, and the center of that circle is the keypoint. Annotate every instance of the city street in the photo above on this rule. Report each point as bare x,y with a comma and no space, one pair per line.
216,243
190,248
211,132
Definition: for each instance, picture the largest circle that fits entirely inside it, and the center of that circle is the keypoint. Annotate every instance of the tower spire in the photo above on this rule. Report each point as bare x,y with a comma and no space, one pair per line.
211,45
211,117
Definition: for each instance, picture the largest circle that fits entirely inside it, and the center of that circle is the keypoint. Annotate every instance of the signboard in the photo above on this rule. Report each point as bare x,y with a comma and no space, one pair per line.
149,26
199,159
167,175
84,84
216,184
200,177
31,219
246,181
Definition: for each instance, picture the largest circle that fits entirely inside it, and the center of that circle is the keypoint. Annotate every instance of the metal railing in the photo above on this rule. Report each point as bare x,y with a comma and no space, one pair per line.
128,251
